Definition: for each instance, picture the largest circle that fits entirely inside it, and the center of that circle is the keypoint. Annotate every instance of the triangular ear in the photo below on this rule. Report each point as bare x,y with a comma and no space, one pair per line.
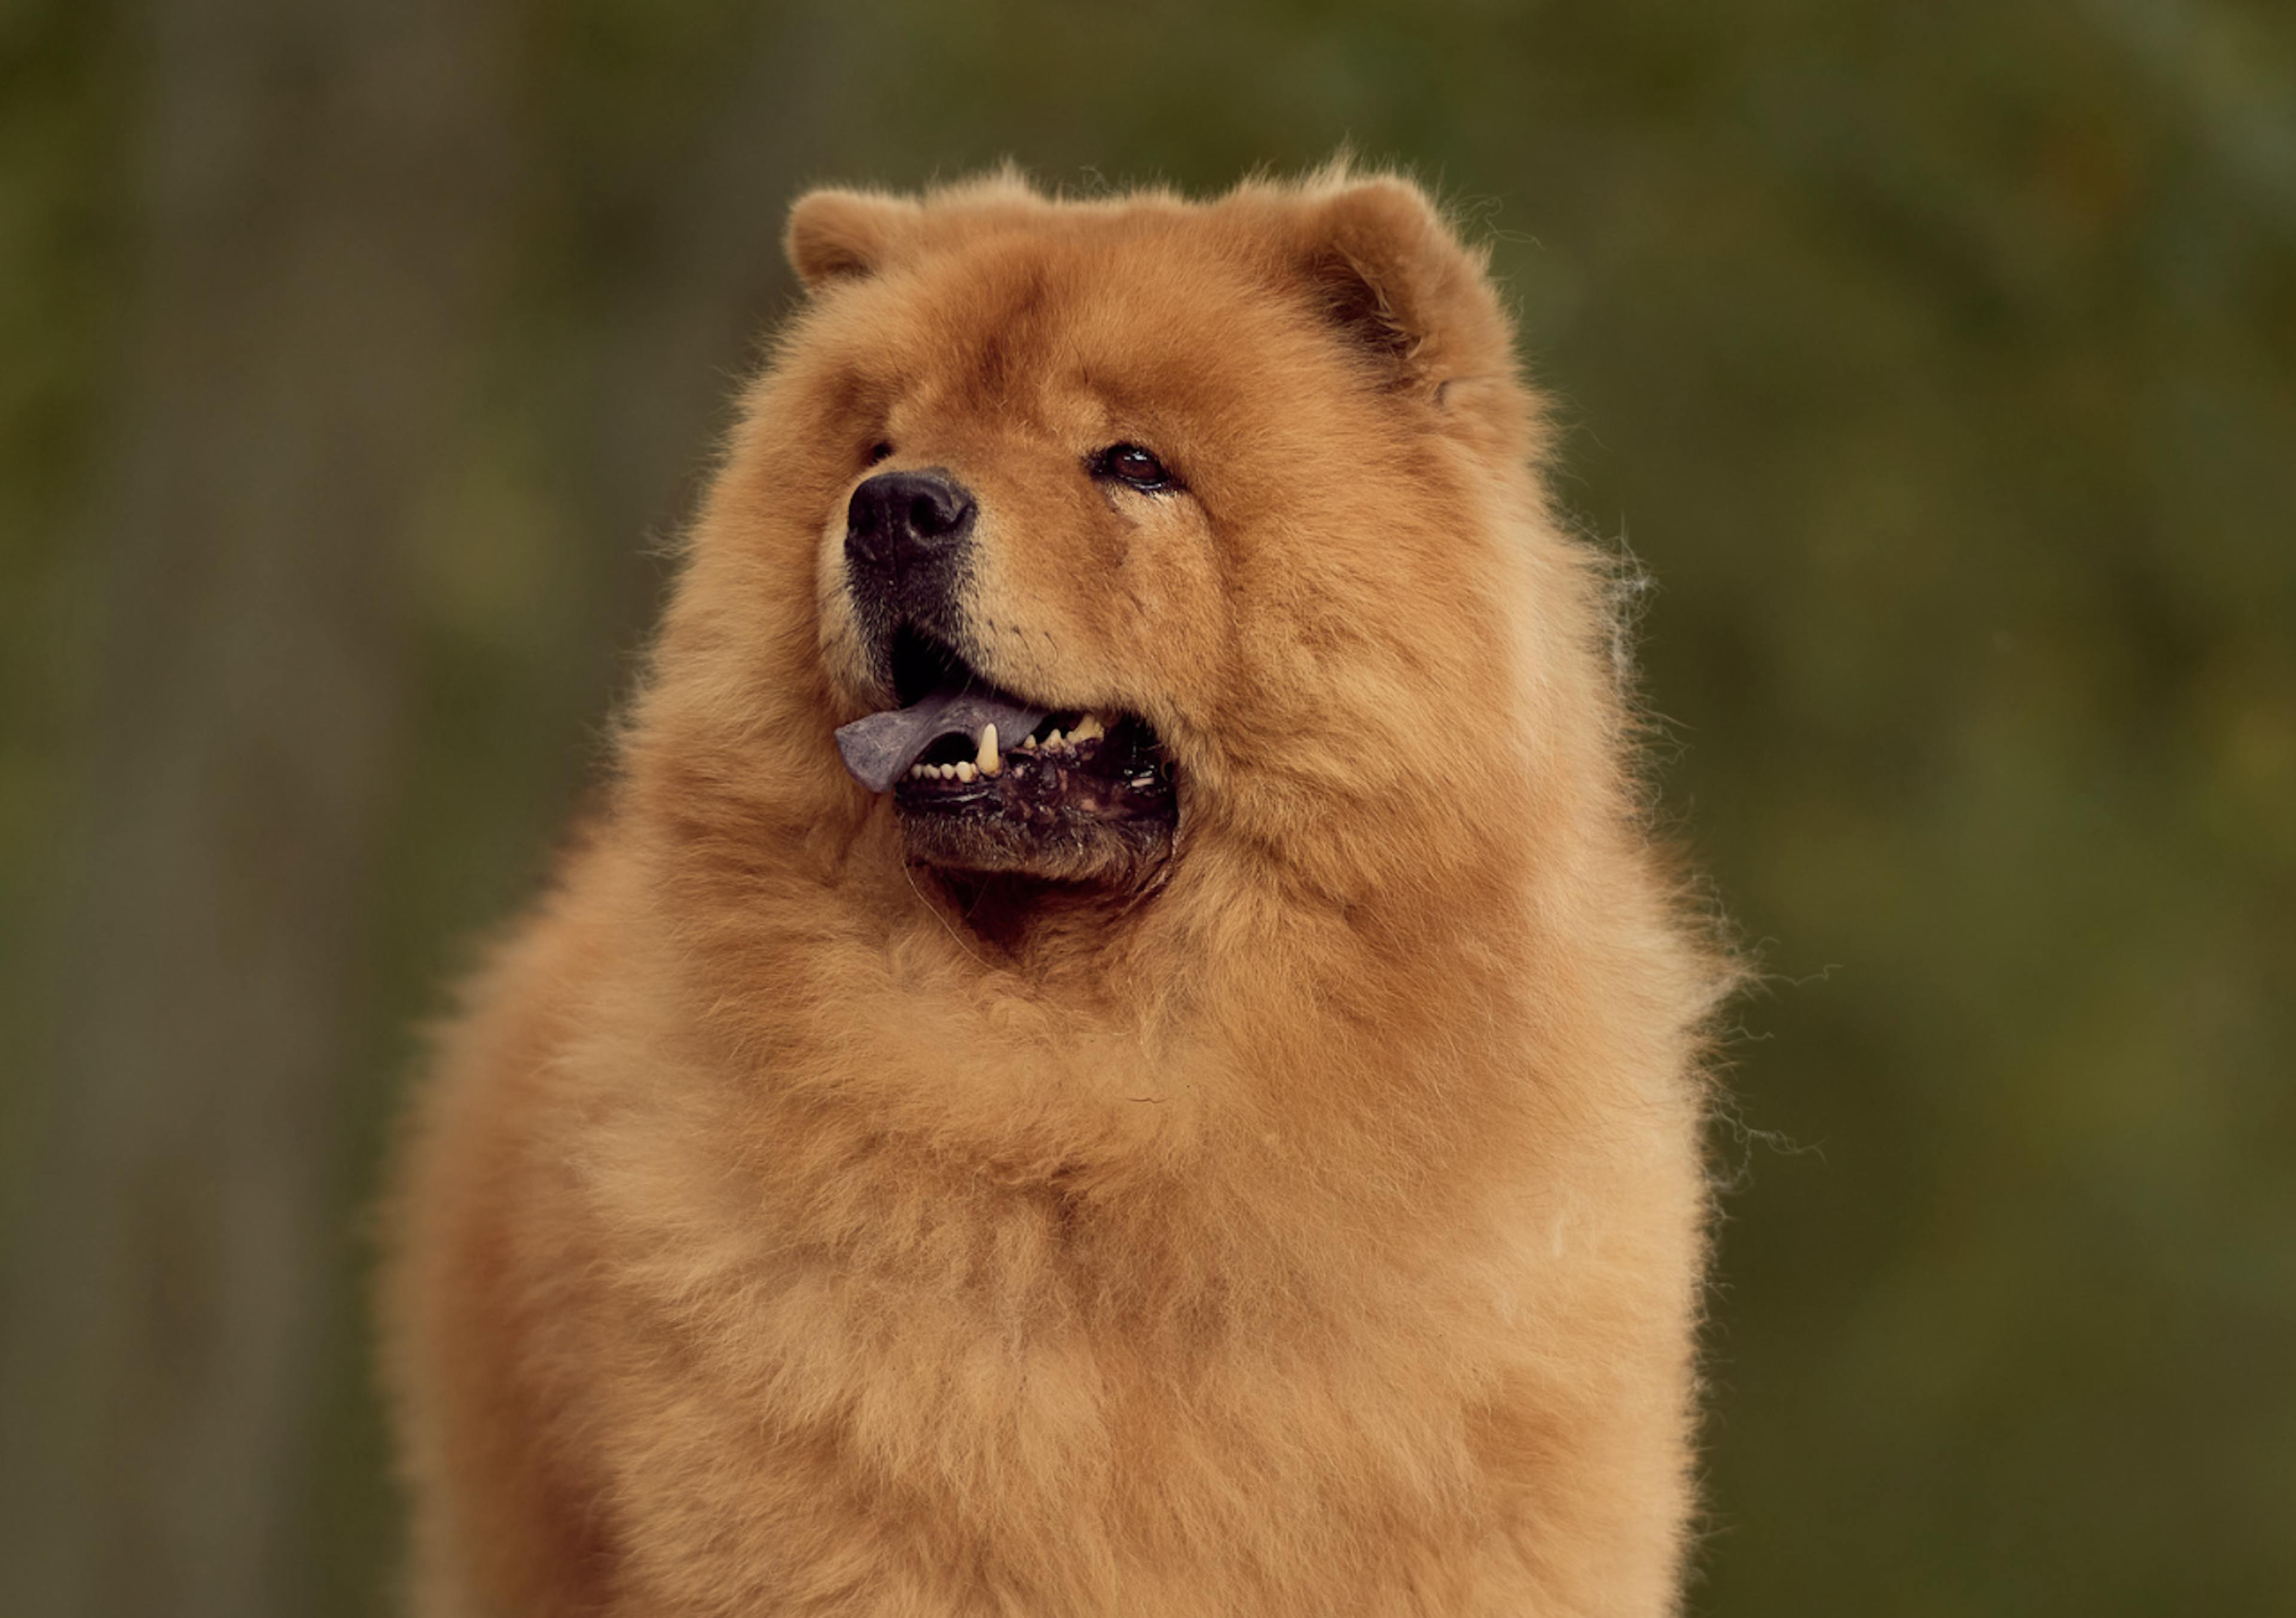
1391,276
837,236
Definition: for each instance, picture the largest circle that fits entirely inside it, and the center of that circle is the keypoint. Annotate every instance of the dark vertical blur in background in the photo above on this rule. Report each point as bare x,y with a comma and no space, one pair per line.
356,360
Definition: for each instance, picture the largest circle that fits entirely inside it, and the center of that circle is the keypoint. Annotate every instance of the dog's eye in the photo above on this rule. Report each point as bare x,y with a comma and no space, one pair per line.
879,451
1134,465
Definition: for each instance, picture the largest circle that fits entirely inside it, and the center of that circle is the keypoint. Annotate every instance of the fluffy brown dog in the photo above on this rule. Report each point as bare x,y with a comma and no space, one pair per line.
1225,1145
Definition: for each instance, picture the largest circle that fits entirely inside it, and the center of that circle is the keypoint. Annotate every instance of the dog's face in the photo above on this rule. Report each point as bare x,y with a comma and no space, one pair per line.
1146,518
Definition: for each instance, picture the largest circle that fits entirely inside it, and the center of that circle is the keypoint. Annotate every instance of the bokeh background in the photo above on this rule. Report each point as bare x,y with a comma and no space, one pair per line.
358,361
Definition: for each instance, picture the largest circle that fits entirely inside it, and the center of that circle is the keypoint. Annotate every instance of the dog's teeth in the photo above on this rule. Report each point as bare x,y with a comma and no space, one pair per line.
1028,743
987,762
916,772
965,772
1054,740
1087,729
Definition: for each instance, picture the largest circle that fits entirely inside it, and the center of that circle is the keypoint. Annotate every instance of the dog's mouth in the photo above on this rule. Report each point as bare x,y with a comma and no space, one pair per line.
985,780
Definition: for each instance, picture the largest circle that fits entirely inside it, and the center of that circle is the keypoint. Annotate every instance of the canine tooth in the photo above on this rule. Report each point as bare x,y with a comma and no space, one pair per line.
1088,729
987,762
965,772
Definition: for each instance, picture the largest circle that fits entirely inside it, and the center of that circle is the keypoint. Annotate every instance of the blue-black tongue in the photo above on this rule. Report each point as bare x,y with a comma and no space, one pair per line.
880,749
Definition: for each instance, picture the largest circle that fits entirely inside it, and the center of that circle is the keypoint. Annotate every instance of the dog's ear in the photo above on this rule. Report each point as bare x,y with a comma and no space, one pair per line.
836,235
1391,274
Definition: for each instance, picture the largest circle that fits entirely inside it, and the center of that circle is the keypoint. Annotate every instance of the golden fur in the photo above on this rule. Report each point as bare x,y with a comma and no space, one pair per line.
1307,1223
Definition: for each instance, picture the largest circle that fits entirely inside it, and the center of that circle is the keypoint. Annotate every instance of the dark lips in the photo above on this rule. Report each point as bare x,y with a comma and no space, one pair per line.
1094,776
985,780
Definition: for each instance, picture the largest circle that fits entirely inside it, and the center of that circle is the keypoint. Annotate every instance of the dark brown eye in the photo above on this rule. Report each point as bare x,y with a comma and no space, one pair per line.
879,451
1136,466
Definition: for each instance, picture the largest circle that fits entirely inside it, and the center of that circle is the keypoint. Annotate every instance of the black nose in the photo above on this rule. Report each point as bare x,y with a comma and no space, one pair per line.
900,520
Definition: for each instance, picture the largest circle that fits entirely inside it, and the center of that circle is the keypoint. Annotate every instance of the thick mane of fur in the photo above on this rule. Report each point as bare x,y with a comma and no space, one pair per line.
1316,1232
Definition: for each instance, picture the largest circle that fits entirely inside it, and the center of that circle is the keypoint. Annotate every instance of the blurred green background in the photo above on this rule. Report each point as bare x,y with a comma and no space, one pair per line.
1939,361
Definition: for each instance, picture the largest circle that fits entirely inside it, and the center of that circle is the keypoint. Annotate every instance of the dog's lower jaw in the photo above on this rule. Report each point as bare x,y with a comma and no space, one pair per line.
1121,859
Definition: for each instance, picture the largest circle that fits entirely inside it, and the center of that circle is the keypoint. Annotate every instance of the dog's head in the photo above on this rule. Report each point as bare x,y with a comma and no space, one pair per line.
1132,526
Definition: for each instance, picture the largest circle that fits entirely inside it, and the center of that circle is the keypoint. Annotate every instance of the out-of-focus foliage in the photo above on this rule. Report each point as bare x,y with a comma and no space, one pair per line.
1939,364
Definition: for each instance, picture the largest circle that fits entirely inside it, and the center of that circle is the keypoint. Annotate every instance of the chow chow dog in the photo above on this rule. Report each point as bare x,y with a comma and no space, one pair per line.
1120,1044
